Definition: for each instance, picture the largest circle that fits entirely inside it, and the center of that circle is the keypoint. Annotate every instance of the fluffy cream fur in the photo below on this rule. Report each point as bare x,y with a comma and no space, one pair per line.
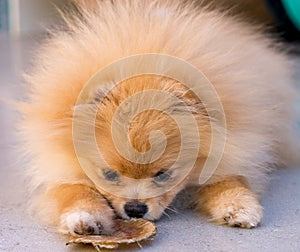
250,74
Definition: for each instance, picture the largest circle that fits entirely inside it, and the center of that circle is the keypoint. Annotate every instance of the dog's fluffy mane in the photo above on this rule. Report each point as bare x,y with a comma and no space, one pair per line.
251,77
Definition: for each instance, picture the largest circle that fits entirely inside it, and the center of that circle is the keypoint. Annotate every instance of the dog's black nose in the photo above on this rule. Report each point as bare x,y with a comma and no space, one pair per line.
135,209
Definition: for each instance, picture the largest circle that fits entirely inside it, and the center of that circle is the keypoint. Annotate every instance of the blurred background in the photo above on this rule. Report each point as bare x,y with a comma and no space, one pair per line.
19,17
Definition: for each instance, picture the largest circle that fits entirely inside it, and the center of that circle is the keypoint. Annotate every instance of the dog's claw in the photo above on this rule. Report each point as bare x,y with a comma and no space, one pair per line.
90,230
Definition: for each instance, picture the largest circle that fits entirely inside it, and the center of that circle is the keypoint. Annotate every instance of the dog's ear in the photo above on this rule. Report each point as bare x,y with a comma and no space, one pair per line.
189,101
90,4
99,94
95,95
88,103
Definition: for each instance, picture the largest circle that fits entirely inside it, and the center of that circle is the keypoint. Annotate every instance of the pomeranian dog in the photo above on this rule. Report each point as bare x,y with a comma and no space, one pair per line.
116,123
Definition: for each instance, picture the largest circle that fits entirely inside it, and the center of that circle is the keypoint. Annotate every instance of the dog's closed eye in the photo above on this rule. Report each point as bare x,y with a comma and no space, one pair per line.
110,175
162,176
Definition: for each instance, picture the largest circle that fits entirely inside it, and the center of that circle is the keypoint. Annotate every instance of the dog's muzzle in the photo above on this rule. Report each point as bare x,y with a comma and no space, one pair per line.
135,209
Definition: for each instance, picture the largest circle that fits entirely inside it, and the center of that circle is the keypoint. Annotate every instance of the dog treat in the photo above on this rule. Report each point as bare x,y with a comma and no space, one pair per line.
126,231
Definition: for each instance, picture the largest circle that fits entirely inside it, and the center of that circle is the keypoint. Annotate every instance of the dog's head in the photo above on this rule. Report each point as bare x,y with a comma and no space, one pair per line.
146,131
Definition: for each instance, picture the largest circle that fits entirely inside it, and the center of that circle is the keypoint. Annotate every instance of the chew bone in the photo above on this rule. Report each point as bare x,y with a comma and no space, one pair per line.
126,231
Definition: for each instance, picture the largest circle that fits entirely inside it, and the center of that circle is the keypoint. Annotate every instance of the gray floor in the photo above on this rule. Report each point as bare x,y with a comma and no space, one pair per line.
184,231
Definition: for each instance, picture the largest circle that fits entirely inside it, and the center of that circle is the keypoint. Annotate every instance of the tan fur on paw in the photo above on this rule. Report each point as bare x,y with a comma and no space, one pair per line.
230,202
237,207
81,222
88,216
82,210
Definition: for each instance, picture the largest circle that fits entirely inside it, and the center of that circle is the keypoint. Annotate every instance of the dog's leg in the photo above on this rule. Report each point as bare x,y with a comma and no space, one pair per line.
81,209
230,202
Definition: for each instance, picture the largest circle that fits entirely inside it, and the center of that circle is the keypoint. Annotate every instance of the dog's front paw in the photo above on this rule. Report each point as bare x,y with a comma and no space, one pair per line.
87,221
237,207
82,222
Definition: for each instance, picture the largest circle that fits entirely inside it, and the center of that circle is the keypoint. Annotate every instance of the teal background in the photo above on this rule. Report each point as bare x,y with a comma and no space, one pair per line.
3,15
292,8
